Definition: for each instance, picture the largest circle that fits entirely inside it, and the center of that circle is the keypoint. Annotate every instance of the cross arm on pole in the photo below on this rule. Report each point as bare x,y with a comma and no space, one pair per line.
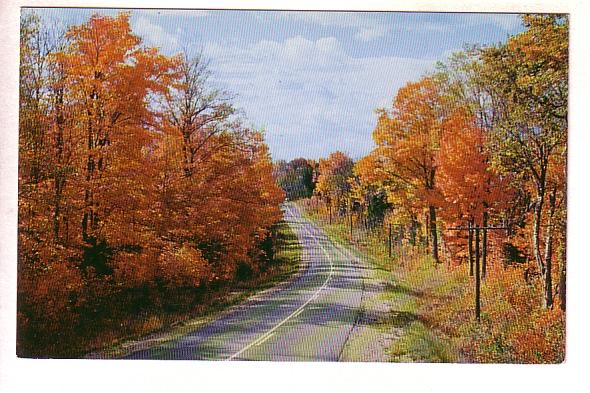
473,228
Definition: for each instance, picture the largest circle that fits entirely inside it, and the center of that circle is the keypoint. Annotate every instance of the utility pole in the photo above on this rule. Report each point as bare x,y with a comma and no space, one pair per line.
477,277
350,210
471,228
470,247
389,240
427,226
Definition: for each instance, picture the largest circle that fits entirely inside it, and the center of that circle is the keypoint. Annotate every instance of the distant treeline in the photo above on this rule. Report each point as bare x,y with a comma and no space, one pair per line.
296,177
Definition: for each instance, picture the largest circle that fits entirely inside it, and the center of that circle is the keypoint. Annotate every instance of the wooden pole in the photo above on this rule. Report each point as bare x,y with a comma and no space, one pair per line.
470,248
484,254
401,249
350,209
477,228
426,222
477,276
389,241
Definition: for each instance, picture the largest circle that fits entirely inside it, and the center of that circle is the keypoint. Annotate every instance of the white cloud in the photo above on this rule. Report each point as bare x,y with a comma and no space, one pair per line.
297,52
366,25
155,35
310,95
368,28
371,33
163,28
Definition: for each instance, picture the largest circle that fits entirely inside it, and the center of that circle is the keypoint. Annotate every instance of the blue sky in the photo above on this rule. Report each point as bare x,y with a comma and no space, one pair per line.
312,80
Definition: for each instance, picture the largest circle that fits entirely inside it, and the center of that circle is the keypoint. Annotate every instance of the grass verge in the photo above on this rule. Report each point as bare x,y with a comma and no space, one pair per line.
414,286
431,306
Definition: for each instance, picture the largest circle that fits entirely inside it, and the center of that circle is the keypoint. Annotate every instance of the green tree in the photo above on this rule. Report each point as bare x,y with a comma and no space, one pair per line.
527,80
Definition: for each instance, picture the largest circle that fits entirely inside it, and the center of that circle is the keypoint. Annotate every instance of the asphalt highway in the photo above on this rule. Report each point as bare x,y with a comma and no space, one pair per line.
308,318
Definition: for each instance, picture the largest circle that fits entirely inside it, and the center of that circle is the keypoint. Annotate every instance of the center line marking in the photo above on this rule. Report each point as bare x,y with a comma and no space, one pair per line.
266,338
267,335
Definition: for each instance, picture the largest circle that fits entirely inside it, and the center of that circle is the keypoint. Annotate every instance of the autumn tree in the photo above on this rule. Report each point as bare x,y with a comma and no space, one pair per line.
33,123
223,200
407,139
46,275
527,79
138,186
46,157
464,89
332,181
471,190
195,123
196,111
369,187
110,77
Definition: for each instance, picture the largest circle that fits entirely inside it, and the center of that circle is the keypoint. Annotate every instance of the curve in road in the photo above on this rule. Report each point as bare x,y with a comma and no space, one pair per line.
308,318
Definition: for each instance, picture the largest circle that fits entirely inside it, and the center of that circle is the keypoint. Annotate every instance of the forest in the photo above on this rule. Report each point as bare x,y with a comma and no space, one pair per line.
465,191
141,188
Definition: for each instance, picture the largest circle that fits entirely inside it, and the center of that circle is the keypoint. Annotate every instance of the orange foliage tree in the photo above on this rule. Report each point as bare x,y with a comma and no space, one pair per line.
470,188
137,182
109,78
407,139
333,179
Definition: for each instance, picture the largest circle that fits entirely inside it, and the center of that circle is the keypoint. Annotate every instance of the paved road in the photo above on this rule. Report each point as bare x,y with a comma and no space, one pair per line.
308,318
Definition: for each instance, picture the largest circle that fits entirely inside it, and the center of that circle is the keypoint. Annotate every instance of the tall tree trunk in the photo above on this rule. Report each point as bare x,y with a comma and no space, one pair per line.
537,218
484,247
433,233
426,232
413,229
562,275
477,277
186,153
389,241
350,211
562,258
548,284
58,184
59,179
88,213
470,246
549,250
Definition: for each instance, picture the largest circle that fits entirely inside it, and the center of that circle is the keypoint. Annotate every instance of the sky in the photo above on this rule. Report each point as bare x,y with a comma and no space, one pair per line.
311,80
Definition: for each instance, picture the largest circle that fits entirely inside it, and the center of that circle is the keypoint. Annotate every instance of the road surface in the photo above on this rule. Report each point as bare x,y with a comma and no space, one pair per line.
308,318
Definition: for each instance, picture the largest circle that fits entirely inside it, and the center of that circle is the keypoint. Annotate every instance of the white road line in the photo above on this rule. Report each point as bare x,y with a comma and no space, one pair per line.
266,338
269,333
298,312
